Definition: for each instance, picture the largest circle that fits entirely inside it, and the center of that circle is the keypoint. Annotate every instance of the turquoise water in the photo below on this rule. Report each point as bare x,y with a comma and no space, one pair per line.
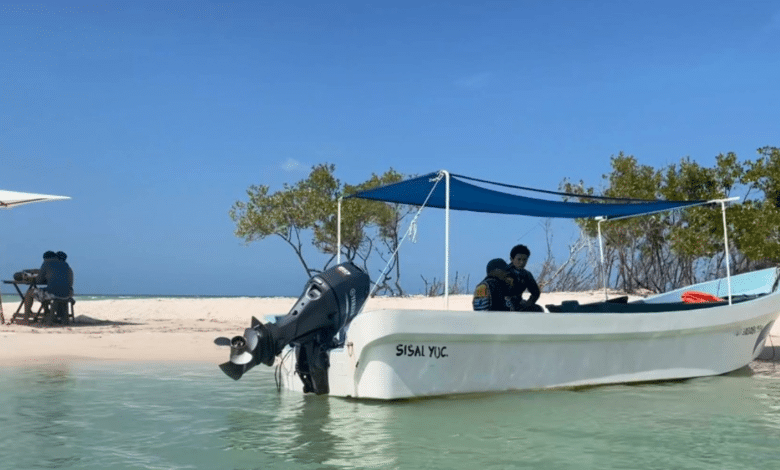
173,416
135,296
11,296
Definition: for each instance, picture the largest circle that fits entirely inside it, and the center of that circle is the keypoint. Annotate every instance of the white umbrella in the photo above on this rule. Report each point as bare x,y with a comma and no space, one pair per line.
10,199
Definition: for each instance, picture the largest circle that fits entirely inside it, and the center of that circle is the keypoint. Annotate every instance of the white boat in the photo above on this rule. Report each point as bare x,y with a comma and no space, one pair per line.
327,345
394,354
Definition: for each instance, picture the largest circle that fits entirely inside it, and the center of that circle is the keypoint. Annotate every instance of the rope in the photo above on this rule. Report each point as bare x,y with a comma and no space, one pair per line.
412,229
278,372
557,193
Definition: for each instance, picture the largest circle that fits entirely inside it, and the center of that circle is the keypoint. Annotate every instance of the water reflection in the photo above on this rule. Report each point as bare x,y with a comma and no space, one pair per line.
769,369
316,430
767,391
362,426
698,414
136,417
45,416
285,426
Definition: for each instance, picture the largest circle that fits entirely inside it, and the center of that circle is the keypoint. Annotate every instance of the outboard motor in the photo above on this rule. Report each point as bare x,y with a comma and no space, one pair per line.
329,302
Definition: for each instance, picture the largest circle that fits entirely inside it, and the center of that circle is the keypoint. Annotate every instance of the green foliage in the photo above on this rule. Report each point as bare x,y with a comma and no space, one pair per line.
307,211
757,220
673,249
387,219
289,212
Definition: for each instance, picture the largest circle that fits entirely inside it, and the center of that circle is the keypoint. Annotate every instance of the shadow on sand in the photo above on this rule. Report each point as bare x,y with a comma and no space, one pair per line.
82,321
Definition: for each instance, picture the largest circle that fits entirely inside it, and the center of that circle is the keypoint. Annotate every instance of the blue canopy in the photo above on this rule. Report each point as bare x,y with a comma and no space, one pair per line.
466,196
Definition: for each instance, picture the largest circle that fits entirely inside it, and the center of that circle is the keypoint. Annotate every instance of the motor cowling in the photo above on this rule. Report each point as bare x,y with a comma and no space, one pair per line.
330,300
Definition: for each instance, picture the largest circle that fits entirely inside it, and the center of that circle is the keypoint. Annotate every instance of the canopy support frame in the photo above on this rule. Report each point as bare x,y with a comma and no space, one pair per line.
722,203
447,176
726,244
603,269
446,239
338,230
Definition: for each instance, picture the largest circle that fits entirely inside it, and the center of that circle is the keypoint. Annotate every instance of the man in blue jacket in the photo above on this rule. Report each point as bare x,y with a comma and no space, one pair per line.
56,274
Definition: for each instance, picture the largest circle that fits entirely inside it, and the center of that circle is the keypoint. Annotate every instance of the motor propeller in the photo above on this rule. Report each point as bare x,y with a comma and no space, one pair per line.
241,347
330,300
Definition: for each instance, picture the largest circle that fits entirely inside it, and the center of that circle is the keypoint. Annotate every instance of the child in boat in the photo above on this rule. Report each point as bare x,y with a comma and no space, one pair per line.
522,280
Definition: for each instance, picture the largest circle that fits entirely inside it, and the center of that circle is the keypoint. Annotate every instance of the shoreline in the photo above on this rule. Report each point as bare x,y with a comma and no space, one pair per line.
165,329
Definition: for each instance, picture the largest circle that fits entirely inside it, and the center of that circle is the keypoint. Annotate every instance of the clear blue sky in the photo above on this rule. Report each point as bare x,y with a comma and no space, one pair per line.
155,117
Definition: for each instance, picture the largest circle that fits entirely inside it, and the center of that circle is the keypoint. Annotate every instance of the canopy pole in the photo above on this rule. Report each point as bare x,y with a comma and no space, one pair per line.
722,203
601,251
726,245
446,239
338,231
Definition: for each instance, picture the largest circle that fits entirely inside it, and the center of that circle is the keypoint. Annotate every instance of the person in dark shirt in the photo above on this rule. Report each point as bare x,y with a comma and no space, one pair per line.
492,292
523,281
56,274
61,256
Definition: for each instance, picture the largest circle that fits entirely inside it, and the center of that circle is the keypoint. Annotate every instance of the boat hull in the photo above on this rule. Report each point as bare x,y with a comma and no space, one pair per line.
397,354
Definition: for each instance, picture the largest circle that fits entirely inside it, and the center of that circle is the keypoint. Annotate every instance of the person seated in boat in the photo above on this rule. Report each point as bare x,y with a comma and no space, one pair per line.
522,280
493,291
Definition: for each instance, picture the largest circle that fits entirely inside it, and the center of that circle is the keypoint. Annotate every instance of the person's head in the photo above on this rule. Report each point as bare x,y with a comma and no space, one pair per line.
50,255
496,264
519,256
61,256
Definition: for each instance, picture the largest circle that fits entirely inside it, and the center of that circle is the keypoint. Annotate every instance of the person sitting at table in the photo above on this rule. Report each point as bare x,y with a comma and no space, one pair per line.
56,274
62,257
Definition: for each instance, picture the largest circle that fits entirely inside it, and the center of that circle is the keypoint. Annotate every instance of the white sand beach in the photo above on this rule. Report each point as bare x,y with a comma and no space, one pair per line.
182,329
